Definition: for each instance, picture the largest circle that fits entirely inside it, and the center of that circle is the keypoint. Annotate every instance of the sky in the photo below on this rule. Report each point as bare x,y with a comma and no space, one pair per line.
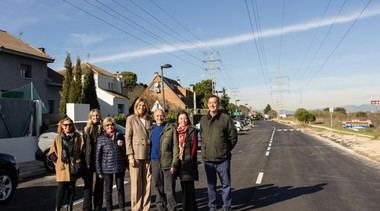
286,53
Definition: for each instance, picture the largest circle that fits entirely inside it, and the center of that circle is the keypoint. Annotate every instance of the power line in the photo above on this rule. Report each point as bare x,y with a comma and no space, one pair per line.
312,39
124,31
136,26
180,24
259,55
323,40
160,26
339,43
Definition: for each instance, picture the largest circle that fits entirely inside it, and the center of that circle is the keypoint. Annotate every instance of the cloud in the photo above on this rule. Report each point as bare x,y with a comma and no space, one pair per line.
271,32
86,39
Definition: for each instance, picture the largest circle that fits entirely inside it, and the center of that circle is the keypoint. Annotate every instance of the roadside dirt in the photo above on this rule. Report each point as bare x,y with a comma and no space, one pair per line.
361,145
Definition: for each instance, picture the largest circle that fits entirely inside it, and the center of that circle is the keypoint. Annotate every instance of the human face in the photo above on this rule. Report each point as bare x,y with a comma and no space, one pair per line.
109,127
159,116
67,127
183,120
213,104
141,108
95,117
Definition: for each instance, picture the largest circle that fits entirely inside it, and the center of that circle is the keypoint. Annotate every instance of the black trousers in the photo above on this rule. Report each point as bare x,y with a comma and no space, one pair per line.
188,196
68,189
108,182
88,179
164,187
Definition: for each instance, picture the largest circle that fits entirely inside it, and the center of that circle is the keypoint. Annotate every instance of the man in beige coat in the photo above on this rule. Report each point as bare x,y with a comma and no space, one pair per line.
137,131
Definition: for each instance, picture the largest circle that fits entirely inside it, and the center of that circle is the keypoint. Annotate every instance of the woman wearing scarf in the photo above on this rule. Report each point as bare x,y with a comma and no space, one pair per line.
188,170
66,153
111,161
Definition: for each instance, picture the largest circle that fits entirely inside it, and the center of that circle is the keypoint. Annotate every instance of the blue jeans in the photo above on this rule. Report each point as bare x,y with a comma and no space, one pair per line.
222,169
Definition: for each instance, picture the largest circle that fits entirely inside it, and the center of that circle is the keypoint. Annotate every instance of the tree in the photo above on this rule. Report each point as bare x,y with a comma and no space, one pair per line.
340,110
267,109
303,115
66,84
203,90
75,95
224,100
89,89
129,79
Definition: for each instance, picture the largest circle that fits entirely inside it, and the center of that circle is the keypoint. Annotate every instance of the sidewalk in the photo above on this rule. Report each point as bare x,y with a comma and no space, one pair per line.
31,169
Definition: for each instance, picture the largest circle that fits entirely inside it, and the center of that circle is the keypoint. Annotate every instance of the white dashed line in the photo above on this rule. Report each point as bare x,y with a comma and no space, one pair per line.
267,153
260,178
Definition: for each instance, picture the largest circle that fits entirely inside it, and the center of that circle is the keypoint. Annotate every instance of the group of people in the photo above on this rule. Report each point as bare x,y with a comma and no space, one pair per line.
156,154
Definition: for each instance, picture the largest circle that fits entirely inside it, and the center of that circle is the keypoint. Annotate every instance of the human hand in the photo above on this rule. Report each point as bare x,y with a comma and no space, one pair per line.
173,170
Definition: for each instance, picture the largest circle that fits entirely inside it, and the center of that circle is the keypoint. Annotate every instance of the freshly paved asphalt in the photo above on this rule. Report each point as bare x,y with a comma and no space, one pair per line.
297,172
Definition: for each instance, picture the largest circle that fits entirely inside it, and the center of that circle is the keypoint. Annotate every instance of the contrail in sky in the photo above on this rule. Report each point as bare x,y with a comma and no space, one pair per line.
271,32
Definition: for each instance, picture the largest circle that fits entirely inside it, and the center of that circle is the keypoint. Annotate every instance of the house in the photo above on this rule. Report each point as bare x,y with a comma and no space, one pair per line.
108,89
176,96
21,65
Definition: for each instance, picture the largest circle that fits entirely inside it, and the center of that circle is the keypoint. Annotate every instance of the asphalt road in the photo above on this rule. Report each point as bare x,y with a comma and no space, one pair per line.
273,168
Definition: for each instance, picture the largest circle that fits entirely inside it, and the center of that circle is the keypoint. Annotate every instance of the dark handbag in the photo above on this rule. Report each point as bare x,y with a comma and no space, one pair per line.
77,169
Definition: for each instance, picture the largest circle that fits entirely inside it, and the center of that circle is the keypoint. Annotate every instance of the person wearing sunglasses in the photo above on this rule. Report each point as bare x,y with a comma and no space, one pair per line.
66,152
111,161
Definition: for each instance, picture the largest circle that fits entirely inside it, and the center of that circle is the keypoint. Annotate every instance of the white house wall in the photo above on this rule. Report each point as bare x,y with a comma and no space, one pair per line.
103,82
106,103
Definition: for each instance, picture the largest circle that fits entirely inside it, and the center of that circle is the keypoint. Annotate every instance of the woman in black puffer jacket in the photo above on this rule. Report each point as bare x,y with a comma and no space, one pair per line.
111,160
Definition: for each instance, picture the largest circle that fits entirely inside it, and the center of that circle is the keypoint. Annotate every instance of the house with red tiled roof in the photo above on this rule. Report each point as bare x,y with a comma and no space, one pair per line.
176,95
22,64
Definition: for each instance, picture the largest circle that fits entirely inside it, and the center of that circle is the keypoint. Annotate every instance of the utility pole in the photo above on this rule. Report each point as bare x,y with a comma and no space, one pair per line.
212,61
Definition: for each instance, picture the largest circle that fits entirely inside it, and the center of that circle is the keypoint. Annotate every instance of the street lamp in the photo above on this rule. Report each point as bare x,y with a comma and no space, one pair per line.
162,82
192,88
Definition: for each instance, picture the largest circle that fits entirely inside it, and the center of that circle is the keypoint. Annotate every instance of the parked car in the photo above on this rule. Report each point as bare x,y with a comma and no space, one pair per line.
8,177
46,139
238,125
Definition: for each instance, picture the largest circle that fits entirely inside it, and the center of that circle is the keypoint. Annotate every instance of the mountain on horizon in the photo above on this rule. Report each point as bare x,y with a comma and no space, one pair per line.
363,108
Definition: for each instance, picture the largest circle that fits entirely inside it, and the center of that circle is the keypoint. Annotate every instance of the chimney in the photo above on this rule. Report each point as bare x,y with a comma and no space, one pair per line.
42,49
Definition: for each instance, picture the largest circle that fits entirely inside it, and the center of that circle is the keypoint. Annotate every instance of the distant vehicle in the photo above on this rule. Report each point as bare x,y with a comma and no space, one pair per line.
8,177
46,139
238,125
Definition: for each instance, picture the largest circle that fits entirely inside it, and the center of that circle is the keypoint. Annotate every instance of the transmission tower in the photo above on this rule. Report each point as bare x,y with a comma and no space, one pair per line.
212,62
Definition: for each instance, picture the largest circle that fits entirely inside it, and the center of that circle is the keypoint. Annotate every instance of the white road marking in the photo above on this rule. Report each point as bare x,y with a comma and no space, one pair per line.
260,178
267,153
268,148
270,144
81,200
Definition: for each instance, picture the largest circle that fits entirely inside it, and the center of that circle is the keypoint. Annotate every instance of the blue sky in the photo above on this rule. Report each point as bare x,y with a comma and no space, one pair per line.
298,67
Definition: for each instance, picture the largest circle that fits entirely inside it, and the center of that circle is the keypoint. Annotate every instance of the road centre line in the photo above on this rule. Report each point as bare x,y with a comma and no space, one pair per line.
267,153
260,178
268,149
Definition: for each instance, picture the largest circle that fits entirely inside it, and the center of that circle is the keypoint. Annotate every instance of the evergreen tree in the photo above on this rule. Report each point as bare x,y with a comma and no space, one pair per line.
65,91
89,89
224,101
75,95
267,109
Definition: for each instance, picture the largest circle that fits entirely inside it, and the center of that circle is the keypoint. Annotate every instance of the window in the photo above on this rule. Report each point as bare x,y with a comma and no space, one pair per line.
26,71
120,108
156,87
110,86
